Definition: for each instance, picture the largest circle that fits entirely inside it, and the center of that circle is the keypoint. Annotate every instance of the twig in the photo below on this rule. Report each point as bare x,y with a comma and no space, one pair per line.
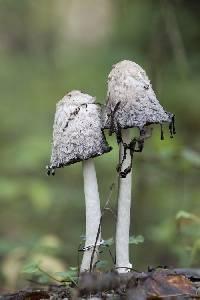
109,197
111,255
49,275
94,248
99,228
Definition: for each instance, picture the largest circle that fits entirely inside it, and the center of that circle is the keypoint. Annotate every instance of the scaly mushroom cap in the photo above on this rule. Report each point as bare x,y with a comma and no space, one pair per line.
77,131
131,100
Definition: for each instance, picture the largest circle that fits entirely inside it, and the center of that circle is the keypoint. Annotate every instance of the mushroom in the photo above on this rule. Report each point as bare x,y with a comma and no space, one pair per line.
78,136
131,102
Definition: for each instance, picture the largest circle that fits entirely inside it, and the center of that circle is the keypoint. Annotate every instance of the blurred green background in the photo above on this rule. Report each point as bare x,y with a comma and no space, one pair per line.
49,47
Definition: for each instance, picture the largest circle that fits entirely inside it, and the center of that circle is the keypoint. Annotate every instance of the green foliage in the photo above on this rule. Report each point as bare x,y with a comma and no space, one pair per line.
181,215
34,270
107,243
68,276
135,240
31,268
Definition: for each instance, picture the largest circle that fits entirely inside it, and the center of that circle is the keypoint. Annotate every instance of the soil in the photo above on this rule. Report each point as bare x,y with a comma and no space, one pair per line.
159,283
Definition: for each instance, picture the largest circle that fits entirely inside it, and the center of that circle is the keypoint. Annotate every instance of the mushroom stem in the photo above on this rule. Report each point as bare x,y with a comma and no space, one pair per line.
93,213
123,217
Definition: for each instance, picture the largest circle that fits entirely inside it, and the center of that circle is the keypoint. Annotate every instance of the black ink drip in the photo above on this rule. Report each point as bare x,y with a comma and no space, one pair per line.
172,129
50,170
161,132
139,142
173,125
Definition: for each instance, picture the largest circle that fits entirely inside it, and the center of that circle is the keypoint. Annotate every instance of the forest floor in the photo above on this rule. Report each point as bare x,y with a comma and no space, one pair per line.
159,283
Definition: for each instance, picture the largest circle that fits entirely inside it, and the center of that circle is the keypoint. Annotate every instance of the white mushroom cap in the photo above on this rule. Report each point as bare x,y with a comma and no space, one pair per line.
131,99
77,130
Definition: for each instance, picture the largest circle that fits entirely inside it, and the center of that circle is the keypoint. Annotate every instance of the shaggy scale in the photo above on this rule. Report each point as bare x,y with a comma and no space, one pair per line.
131,99
77,131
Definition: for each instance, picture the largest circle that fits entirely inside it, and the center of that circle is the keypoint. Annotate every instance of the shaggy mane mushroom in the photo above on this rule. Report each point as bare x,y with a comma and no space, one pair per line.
78,136
131,102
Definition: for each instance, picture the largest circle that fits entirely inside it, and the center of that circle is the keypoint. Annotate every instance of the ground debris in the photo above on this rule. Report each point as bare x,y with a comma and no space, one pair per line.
161,284
158,283
27,295
52,292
